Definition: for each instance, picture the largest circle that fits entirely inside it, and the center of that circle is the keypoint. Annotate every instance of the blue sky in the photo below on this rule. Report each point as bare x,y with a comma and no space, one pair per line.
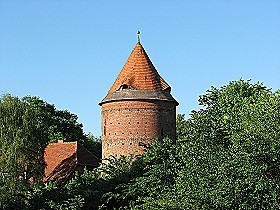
70,52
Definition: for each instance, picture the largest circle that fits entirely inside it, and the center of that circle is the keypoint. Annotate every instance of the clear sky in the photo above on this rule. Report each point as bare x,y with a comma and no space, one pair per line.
70,52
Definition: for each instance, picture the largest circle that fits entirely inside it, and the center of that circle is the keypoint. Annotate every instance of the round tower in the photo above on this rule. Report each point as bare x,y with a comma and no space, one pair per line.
137,109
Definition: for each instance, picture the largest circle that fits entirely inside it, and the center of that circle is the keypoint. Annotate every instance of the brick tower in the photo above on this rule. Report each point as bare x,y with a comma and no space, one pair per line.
137,109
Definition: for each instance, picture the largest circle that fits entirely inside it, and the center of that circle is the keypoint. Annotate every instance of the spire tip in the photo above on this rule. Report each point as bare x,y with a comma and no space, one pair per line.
138,36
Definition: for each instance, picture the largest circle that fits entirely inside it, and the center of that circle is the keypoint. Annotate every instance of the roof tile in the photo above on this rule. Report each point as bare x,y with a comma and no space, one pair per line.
139,73
62,158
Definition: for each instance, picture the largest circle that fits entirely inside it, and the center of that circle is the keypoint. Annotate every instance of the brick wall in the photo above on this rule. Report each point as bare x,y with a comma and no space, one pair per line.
126,123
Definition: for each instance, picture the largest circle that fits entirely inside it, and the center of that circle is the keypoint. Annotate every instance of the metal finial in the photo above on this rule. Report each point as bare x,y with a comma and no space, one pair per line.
138,36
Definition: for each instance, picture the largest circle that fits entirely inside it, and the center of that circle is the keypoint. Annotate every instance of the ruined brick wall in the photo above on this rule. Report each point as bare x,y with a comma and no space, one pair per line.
128,122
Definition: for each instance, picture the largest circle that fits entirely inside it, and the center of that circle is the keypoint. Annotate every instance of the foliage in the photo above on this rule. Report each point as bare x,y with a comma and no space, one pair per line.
59,124
22,143
93,144
232,149
63,125
27,126
97,189
226,156
151,190
50,195
181,125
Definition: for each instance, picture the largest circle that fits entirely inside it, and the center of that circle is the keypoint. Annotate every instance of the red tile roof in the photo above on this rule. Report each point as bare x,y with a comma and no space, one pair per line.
139,73
62,158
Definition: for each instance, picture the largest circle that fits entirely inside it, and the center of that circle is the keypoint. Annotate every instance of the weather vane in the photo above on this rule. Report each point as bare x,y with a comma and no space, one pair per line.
138,36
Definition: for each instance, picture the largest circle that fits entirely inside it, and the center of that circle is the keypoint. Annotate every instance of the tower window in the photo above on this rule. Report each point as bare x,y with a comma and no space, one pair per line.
162,132
125,87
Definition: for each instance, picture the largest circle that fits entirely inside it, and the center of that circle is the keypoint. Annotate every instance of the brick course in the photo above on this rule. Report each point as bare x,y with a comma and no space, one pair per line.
127,123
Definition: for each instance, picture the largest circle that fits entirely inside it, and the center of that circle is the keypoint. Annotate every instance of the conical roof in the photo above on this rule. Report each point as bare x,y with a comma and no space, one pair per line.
139,80
139,73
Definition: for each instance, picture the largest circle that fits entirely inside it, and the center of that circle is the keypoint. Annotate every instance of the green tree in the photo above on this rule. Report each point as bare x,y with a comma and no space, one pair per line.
59,124
63,125
227,155
181,124
153,188
27,125
22,143
98,189
232,150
